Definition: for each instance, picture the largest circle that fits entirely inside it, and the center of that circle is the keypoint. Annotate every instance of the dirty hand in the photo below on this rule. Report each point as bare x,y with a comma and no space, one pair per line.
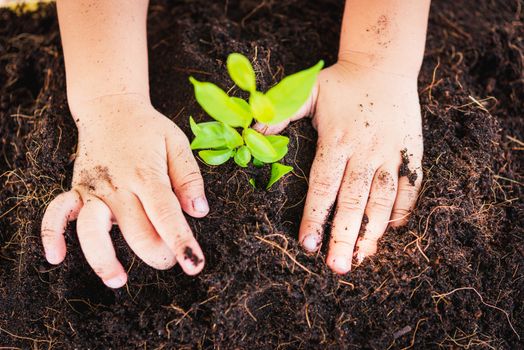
365,118
129,160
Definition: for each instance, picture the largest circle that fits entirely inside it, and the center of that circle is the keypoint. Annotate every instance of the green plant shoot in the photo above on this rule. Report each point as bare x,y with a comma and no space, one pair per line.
277,171
219,140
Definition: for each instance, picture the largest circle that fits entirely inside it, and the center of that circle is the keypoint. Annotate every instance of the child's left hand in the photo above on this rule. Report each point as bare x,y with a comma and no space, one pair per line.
364,117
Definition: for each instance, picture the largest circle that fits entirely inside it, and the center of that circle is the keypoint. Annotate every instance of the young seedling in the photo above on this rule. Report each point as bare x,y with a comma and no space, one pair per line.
219,140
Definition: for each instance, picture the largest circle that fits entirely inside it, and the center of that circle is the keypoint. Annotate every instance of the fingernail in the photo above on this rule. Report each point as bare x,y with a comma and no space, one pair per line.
200,204
310,243
341,264
52,257
116,282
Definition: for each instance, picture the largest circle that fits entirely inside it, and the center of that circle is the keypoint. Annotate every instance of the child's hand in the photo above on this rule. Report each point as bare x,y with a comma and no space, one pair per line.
364,118
128,160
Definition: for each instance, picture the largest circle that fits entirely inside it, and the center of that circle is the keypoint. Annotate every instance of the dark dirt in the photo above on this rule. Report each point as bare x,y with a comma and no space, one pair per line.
404,168
453,278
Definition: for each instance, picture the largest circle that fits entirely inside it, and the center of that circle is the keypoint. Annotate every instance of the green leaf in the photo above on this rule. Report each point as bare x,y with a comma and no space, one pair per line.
252,183
262,107
219,105
259,146
277,171
194,127
243,156
241,106
207,135
215,157
240,102
241,71
279,143
232,138
258,163
292,92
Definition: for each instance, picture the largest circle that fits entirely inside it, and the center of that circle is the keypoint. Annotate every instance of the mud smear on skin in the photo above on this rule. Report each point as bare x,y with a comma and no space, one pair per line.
189,255
95,178
252,295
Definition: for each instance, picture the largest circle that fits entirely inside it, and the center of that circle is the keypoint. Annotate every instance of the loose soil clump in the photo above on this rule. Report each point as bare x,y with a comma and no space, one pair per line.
452,278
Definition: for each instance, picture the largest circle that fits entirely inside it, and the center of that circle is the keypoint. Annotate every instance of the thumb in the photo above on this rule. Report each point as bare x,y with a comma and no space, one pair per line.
307,109
185,176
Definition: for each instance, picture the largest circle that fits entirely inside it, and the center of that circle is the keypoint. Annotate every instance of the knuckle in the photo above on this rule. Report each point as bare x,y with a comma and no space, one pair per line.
321,188
149,174
48,236
192,180
341,139
47,233
381,203
401,212
313,222
350,204
408,190
182,243
343,241
165,214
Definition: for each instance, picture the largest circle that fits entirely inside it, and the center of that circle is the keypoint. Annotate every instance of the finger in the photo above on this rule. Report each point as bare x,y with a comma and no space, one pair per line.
163,209
138,231
351,202
185,176
307,109
378,211
407,194
59,212
324,181
93,226
272,129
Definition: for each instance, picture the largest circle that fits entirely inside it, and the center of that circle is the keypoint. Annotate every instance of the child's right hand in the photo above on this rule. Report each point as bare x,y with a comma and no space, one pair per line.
129,160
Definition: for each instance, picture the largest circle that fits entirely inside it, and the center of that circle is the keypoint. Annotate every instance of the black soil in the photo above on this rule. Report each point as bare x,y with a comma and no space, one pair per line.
454,277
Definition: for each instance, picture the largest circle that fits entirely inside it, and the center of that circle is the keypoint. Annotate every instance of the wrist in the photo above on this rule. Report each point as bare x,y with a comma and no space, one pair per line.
106,108
397,65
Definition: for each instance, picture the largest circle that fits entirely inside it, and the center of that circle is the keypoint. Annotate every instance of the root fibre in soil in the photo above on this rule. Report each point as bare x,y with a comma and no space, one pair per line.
453,278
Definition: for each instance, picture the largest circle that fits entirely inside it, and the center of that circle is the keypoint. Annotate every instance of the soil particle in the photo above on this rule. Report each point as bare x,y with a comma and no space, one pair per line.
401,332
365,221
404,168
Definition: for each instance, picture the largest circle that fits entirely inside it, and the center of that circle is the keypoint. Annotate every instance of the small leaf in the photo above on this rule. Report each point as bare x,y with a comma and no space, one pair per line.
280,144
232,138
277,171
262,107
259,146
215,157
241,71
218,104
258,163
194,127
241,103
292,92
243,156
242,107
208,135
252,183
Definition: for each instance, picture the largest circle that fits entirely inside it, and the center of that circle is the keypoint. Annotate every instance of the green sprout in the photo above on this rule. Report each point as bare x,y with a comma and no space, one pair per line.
219,140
